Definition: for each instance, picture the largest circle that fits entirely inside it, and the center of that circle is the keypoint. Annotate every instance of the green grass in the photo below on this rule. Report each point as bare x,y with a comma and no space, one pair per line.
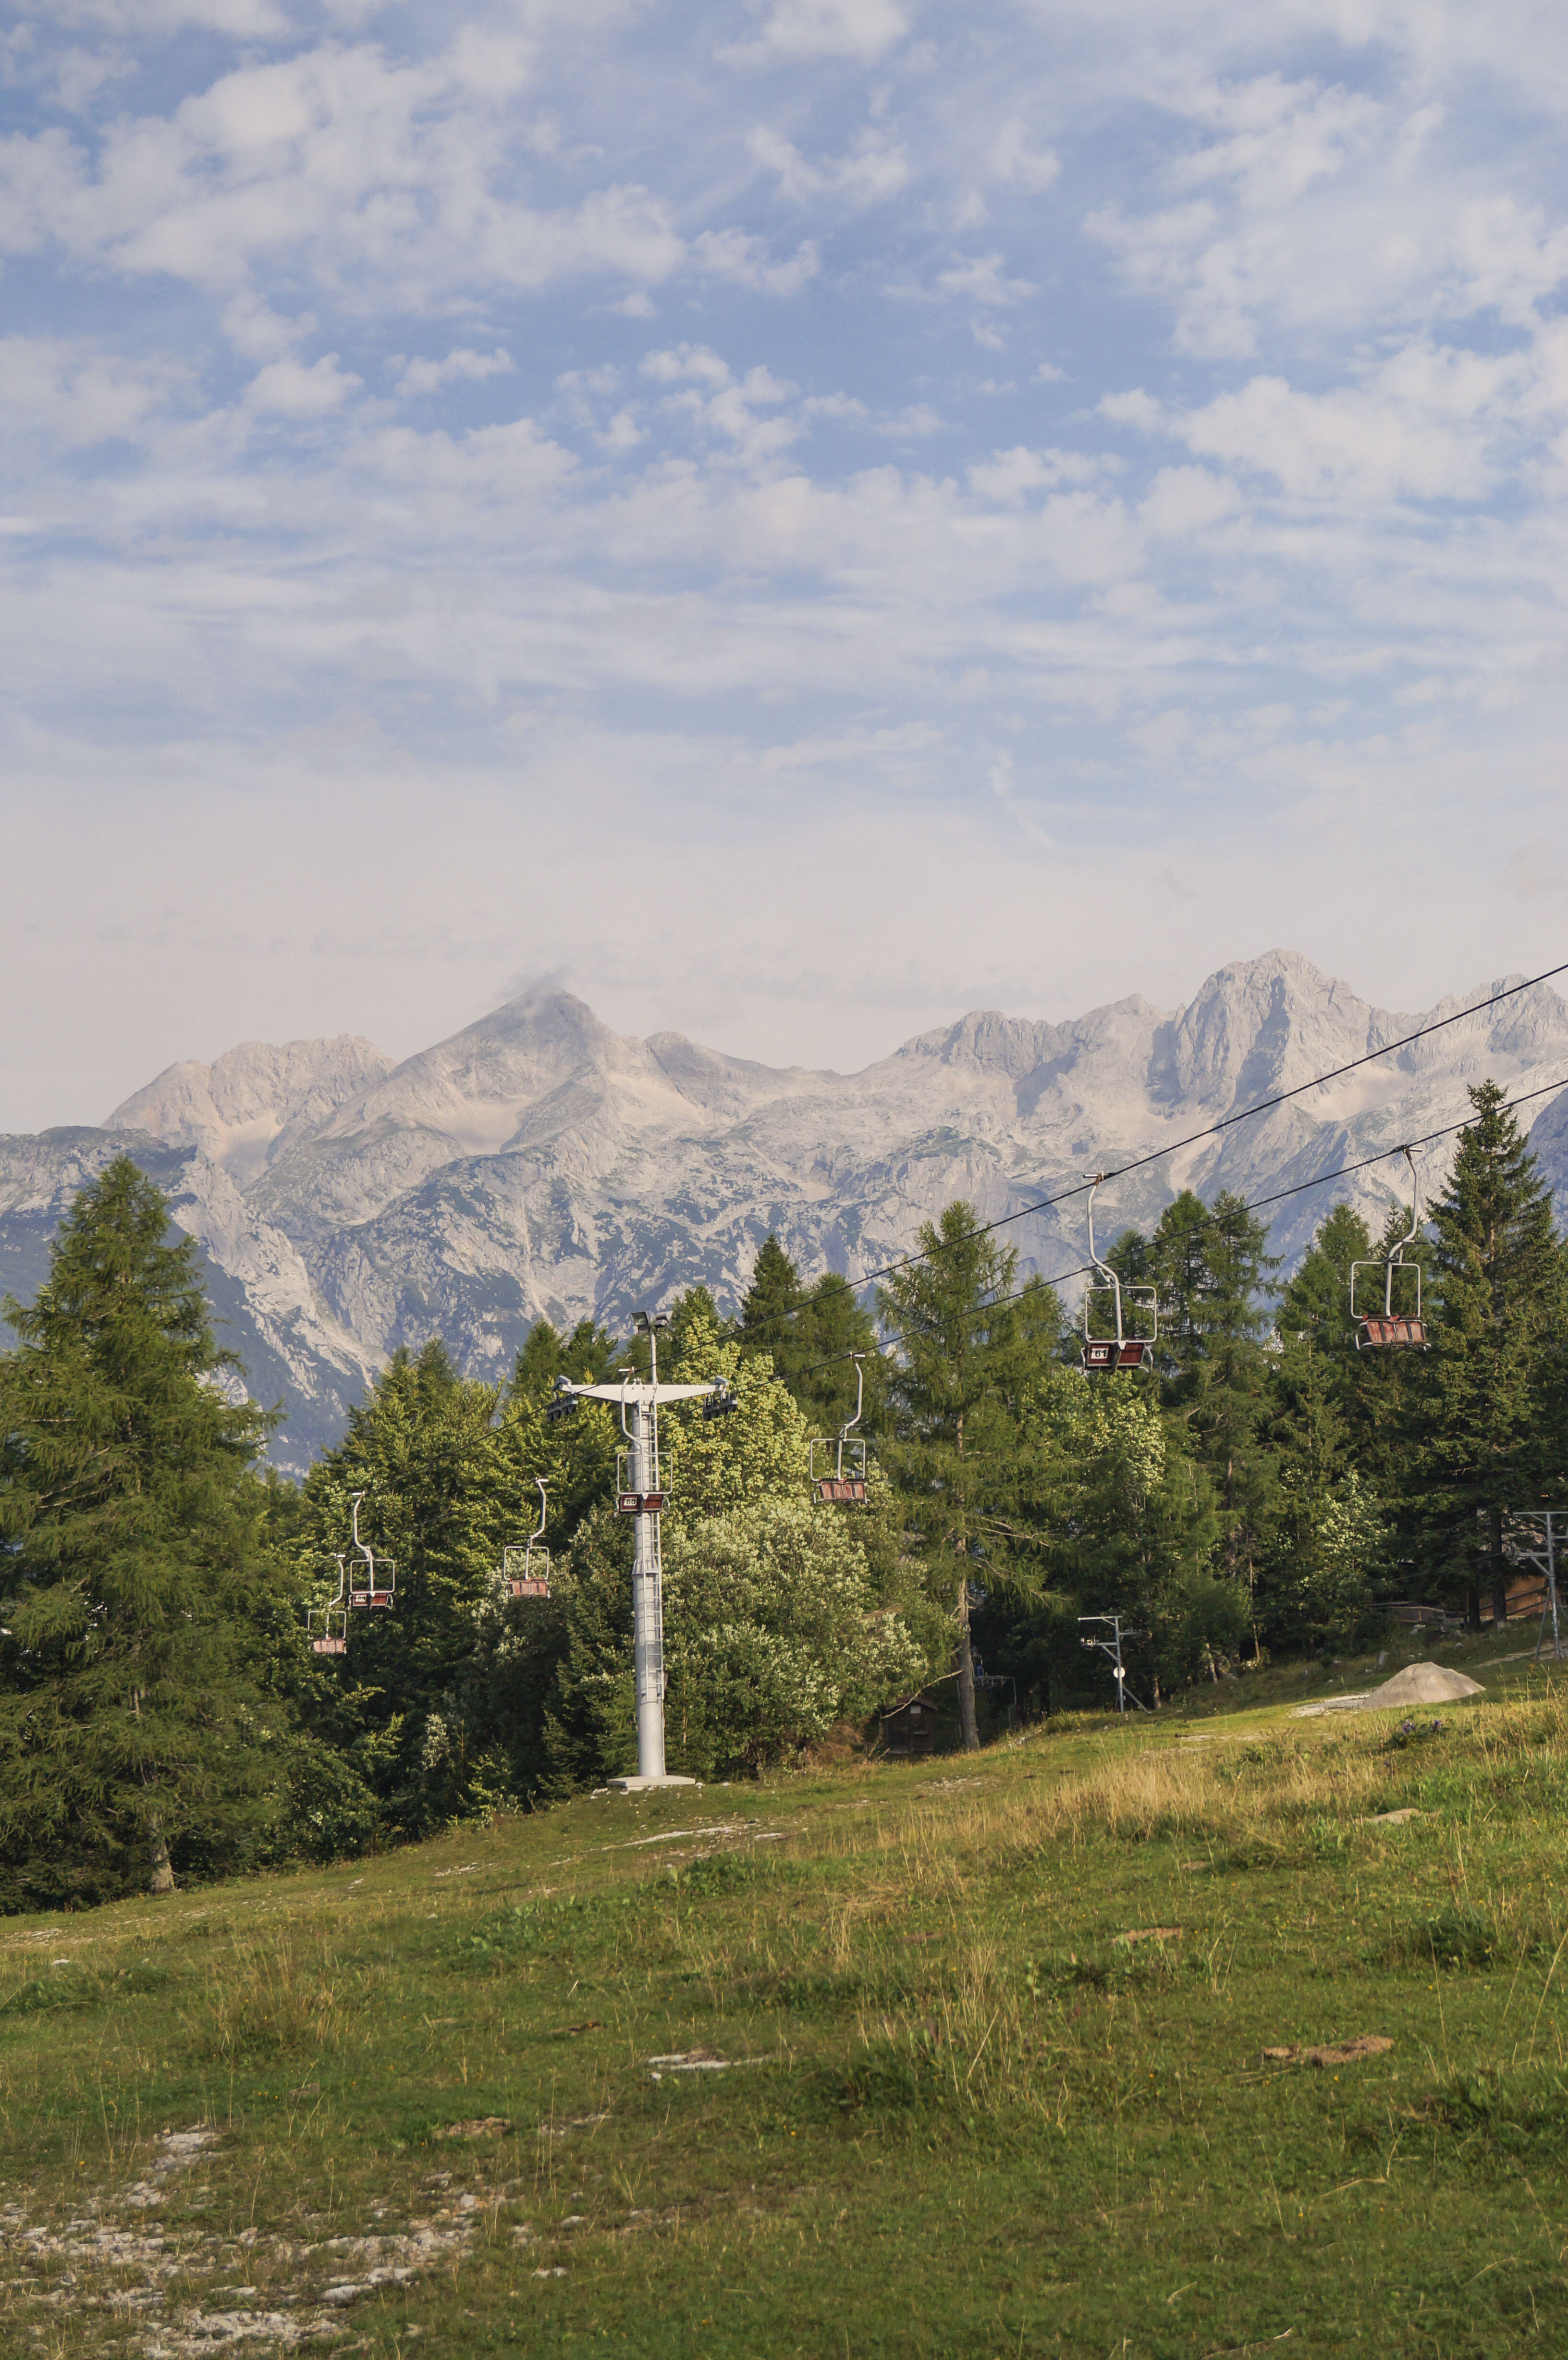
960,2116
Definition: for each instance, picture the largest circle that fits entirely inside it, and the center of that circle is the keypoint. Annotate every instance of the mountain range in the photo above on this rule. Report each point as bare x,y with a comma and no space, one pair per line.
539,1163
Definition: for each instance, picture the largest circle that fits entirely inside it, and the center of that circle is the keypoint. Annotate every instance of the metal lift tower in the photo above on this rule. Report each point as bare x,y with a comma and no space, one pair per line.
642,1499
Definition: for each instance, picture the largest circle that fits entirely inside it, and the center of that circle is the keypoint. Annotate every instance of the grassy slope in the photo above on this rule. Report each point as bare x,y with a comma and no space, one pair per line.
977,2123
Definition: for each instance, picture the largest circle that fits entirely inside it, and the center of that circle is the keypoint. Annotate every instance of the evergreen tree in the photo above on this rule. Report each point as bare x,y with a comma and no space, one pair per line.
809,1334
963,1458
1309,1418
1482,1415
1327,1530
588,1351
766,1321
1212,1268
140,1604
444,1493
1135,1529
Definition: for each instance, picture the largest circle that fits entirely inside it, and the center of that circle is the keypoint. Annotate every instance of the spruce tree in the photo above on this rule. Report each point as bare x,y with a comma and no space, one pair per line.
1481,1420
588,1351
766,1323
134,1583
1213,1267
810,1333
964,1453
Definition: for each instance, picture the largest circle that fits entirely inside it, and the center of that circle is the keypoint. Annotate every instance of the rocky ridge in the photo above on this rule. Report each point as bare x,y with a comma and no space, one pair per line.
538,1162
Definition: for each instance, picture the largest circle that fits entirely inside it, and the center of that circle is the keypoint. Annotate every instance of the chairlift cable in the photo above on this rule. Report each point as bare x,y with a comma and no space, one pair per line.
1251,1205
1227,1122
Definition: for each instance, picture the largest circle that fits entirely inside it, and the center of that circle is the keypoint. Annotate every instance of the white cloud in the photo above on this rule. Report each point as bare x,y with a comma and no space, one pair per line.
290,389
1322,576
1418,430
875,169
1013,159
796,31
245,19
724,409
461,365
78,76
746,261
253,328
1183,500
1009,474
64,389
358,172
981,279
918,420
1134,409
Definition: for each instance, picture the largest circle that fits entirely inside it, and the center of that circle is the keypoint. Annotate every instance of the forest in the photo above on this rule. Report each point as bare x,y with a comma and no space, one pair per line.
1262,1488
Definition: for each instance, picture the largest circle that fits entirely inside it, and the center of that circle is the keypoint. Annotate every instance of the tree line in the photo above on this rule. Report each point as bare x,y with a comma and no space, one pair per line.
1264,1485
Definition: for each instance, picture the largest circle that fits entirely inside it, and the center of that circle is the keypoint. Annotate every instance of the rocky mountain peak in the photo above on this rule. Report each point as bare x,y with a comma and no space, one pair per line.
250,1104
537,1162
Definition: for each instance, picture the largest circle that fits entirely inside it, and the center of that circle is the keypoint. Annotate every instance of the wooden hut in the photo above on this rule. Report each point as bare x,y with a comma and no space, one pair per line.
910,1727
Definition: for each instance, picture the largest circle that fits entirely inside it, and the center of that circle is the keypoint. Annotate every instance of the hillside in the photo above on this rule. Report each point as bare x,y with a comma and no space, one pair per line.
1188,2037
538,1162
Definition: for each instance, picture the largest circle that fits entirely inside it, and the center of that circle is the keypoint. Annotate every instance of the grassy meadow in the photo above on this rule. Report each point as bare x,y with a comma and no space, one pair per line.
951,2058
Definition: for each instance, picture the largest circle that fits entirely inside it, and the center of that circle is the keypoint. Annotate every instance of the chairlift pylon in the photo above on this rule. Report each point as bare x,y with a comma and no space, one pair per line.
829,1484
531,1578
1120,1350
1388,1329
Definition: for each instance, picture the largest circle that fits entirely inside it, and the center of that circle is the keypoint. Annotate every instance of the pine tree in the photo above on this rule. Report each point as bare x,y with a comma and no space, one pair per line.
964,1457
1501,1288
134,1685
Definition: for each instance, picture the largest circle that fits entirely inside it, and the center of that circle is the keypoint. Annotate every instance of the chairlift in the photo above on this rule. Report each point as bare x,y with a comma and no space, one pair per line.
332,1637
1119,1350
564,1403
629,1502
373,1582
1379,1330
530,1577
832,1484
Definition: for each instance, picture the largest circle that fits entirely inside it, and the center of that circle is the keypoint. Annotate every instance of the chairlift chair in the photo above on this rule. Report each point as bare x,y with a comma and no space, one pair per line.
327,1626
1379,1330
372,1582
832,1484
1121,1351
530,1577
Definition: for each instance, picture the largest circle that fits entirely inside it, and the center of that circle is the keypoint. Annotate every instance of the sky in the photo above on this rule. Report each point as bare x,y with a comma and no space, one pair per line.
791,518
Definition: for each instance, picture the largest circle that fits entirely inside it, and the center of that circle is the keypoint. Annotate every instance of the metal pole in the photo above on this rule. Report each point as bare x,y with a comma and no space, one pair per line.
648,1615
1550,1596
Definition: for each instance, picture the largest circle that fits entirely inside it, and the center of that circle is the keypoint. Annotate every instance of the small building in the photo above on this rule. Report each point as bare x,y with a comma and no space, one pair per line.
910,1727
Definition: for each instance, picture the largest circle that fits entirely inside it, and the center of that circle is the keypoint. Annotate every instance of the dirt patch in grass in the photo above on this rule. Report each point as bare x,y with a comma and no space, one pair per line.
1334,2052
